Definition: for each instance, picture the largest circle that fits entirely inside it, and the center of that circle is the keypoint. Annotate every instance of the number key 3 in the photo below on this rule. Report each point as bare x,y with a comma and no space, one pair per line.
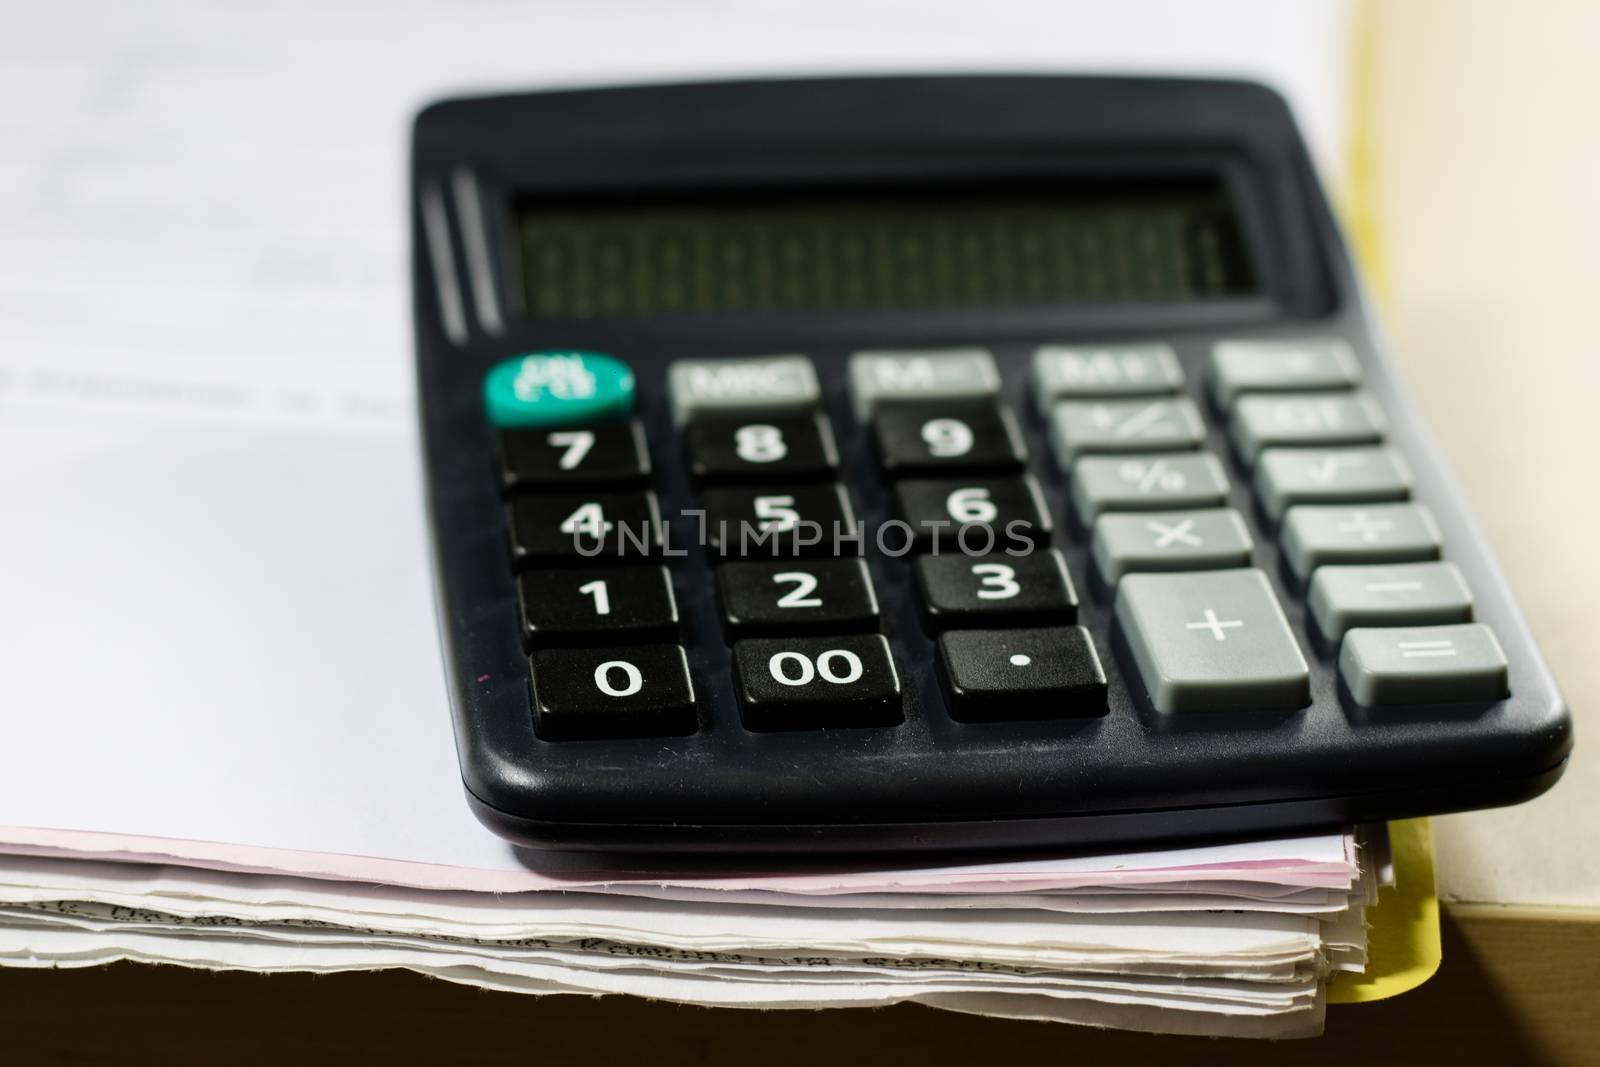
995,590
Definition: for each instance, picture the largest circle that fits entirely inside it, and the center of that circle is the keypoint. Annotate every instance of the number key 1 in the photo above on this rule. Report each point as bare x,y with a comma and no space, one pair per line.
597,605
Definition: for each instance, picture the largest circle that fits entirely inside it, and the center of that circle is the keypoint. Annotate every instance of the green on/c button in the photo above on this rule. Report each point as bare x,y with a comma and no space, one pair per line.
558,388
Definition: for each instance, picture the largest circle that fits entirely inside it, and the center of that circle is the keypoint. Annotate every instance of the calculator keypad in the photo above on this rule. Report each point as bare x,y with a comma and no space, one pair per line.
796,601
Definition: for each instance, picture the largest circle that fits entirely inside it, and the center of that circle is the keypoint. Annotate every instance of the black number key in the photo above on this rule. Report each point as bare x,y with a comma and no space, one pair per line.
597,605
642,691
796,520
800,683
978,515
999,675
796,596
756,448
995,590
933,438
601,524
609,452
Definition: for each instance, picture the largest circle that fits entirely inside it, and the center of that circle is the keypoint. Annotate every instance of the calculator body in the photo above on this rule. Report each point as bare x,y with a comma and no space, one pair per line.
919,777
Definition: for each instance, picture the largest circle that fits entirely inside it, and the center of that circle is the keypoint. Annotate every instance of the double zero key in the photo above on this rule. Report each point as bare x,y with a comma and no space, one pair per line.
800,683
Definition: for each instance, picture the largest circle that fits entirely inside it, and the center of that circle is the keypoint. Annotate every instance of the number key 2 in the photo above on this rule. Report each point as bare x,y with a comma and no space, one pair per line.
995,590
796,596
761,448
927,439
597,605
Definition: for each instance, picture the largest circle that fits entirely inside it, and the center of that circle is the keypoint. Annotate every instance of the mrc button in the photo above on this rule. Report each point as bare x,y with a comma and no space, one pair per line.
741,384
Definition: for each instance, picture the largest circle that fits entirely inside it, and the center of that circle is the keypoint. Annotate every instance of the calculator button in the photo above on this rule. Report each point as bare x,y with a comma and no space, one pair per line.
584,693
1204,540
995,590
1424,665
1314,536
607,452
807,683
796,596
920,378
946,437
978,515
1211,641
739,384
592,525
1404,594
597,605
1288,476
1153,425
1281,366
1071,372
1146,483
1303,419
761,447
795,520
558,388
1003,675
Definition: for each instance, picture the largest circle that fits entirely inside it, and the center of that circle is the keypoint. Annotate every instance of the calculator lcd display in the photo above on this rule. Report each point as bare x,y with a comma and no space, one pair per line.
899,249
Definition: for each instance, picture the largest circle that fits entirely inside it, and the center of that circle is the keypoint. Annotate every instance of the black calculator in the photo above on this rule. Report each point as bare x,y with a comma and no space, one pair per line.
935,463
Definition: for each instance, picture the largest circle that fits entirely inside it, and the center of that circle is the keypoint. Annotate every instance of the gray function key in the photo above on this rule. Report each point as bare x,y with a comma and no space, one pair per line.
1072,372
1153,482
1424,665
1314,536
1209,539
742,383
1155,424
1289,476
1280,366
1211,641
1404,594
1299,419
918,377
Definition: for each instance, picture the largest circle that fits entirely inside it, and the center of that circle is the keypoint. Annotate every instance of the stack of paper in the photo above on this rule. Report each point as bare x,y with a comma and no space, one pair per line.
1231,939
